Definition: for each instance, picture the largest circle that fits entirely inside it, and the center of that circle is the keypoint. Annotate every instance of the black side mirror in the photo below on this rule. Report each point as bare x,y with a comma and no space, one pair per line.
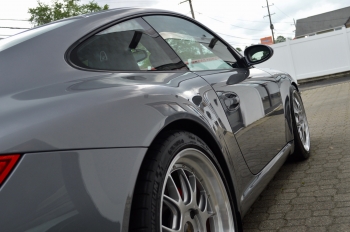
257,54
139,54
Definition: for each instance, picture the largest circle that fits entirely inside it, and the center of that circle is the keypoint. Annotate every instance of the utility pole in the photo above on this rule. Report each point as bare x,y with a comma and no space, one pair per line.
271,25
294,25
190,1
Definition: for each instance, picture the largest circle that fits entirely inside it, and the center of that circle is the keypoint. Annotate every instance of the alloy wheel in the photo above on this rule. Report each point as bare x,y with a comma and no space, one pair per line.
301,121
194,197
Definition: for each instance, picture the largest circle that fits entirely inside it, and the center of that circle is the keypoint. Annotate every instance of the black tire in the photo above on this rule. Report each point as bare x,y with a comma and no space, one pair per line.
146,204
301,152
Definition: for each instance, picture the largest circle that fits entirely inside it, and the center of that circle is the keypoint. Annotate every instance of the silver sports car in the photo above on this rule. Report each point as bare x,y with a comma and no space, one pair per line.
139,120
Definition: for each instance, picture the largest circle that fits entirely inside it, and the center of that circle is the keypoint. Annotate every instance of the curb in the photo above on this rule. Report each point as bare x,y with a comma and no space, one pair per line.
326,77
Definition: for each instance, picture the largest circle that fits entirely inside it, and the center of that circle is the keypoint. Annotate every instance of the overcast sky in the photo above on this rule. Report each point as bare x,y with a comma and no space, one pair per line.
243,20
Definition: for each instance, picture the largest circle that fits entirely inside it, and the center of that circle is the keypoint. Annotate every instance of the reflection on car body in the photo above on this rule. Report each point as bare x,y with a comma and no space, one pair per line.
141,120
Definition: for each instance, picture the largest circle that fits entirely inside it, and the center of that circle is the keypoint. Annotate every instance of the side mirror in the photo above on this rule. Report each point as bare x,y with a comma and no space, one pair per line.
139,54
257,54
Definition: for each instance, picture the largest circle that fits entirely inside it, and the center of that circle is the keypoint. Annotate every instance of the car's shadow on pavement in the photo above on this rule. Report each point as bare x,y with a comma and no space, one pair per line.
269,209
312,195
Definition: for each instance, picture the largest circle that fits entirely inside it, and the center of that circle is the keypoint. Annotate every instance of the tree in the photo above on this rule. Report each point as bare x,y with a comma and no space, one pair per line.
280,39
61,9
239,49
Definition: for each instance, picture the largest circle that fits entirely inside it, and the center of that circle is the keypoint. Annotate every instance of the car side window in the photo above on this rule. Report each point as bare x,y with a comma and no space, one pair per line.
198,49
128,46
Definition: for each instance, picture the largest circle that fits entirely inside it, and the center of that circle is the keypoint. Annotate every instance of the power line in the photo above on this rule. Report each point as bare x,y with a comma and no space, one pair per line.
239,44
236,36
275,22
15,27
282,30
236,42
16,20
235,25
257,21
284,33
282,11
323,20
229,23
311,16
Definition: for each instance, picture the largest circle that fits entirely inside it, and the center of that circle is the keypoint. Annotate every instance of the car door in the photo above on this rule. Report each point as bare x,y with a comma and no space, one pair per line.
250,97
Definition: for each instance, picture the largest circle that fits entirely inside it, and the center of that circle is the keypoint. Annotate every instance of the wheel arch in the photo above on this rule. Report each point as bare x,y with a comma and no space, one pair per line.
296,86
200,128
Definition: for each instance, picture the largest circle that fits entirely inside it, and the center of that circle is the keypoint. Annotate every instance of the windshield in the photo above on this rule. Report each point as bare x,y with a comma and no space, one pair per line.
26,35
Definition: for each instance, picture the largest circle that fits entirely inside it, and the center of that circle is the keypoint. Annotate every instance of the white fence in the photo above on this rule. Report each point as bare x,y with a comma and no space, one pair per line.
313,56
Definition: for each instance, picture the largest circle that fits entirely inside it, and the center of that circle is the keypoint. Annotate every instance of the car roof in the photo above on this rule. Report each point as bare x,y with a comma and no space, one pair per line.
128,10
97,19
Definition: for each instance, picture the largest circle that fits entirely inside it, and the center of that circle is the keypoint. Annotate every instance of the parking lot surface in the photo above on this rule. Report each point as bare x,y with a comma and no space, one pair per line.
312,195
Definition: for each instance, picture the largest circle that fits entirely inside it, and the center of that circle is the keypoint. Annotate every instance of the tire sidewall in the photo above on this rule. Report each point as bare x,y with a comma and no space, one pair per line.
299,149
182,141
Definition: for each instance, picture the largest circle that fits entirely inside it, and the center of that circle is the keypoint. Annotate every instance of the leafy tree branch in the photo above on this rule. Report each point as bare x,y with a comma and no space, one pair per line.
61,9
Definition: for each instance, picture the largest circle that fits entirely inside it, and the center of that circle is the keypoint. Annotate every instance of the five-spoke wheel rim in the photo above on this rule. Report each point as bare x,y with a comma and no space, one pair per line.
194,197
301,121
